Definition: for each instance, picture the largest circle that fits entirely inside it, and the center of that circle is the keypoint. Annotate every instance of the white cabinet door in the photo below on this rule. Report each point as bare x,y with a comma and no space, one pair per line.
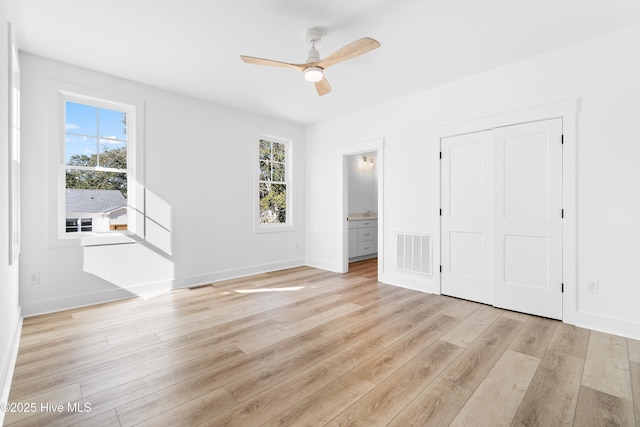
466,232
353,242
528,218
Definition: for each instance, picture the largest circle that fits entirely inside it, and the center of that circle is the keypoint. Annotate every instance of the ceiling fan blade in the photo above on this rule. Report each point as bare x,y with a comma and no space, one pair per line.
323,87
272,63
349,51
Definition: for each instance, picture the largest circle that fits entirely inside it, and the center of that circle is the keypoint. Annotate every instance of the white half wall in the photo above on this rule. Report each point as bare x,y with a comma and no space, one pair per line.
602,73
199,167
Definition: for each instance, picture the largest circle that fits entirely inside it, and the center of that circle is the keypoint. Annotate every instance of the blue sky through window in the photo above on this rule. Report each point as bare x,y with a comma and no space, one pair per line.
89,129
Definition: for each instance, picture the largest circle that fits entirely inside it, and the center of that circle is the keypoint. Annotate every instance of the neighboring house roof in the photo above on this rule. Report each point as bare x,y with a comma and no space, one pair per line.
93,201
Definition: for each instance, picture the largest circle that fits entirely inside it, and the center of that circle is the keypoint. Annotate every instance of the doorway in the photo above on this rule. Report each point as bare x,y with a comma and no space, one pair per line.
501,219
362,209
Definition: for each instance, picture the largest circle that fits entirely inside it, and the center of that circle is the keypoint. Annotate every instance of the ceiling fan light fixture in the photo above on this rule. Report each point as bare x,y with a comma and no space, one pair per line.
313,68
313,74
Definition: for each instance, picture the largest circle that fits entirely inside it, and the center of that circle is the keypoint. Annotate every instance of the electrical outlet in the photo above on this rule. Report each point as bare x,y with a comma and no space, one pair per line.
593,286
387,257
33,278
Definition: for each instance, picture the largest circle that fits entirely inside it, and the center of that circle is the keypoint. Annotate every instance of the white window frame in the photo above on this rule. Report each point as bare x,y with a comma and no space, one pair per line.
278,227
59,94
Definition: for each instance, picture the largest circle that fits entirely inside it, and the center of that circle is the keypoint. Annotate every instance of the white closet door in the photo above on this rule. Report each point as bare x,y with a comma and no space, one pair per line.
467,211
528,218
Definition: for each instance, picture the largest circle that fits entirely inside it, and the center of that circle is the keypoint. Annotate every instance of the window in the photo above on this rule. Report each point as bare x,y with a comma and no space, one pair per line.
74,225
95,164
273,183
95,188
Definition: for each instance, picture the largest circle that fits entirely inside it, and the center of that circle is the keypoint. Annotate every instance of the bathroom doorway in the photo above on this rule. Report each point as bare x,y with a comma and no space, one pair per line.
362,190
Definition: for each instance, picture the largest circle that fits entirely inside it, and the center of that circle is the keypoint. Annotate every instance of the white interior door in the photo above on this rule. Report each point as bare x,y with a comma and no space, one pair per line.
528,218
466,233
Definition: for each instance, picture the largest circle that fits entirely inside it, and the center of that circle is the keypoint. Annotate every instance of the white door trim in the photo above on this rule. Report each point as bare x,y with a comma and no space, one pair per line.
349,150
567,110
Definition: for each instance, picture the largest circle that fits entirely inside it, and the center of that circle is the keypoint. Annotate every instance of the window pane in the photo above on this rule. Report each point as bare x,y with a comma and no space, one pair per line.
99,198
86,224
80,150
265,150
273,203
265,171
71,225
278,152
80,119
112,124
113,154
278,172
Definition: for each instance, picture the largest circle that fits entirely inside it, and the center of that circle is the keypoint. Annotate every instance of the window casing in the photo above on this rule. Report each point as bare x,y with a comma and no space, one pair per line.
273,211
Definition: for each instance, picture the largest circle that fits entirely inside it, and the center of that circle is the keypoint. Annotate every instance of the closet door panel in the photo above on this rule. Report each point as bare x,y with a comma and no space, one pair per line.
466,217
528,218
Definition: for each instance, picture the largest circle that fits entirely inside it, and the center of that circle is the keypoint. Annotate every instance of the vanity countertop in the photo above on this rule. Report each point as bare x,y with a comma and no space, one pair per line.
361,216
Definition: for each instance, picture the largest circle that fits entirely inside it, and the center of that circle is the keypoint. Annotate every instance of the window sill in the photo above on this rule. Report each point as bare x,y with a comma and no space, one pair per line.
273,228
94,239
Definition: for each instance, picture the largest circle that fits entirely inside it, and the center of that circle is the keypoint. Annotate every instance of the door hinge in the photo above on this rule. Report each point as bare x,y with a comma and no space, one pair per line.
562,213
440,269
441,154
440,211
562,139
562,288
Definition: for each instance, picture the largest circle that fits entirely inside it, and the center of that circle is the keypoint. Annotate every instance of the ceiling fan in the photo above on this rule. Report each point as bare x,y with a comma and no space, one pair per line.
314,67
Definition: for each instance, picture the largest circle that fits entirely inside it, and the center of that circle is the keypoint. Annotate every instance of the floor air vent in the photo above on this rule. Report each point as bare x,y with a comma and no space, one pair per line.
413,252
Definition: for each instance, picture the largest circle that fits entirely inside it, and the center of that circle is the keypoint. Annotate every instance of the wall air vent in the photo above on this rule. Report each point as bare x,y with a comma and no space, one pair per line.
413,252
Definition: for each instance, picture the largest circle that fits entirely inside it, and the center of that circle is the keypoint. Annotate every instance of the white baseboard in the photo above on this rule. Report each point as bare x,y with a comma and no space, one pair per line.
608,325
234,274
323,265
53,305
421,285
75,301
9,363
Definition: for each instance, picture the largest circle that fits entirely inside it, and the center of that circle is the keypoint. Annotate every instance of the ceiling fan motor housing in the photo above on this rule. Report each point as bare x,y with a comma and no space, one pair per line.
314,55
313,38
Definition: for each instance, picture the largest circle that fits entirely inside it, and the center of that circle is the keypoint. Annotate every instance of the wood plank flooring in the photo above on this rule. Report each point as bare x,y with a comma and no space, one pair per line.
309,347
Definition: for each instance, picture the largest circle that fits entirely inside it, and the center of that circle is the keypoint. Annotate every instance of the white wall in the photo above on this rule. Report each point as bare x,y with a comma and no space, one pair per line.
9,302
602,73
363,187
199,165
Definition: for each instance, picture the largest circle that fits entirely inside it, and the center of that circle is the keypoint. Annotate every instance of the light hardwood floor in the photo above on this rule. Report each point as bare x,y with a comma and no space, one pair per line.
310,347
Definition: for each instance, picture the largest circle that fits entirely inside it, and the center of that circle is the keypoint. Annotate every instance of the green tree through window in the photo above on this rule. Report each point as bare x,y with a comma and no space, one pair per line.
95,179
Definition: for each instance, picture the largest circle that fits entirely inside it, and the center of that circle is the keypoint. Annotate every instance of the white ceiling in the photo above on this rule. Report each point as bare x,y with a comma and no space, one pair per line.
193,46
